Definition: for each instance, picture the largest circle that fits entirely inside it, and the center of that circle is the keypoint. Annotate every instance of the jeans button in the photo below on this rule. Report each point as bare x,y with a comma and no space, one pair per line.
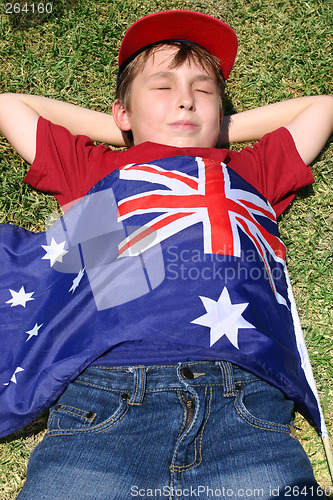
187,373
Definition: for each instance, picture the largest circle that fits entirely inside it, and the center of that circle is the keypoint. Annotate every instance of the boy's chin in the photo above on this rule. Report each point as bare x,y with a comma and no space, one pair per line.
179,142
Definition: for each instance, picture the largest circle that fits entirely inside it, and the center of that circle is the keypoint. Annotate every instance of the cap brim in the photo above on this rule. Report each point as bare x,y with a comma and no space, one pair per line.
212,34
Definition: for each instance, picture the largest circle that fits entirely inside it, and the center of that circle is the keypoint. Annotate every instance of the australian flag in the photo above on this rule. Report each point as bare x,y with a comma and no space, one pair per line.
180,252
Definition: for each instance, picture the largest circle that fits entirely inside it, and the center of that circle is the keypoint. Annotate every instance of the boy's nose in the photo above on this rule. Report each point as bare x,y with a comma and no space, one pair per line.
188,106
186,100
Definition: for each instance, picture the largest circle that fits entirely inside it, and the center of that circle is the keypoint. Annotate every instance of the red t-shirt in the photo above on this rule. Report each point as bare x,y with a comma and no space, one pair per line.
69,166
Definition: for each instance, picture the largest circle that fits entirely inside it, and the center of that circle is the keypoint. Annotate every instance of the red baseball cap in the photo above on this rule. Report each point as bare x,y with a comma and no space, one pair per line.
212,34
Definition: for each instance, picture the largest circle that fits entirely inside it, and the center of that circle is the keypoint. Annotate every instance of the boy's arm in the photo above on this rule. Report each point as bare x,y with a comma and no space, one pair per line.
309,120
19,114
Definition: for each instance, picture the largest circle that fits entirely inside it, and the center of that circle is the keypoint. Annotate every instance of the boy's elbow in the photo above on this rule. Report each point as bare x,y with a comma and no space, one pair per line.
326,112
5,105
312,126
329,101
18,123
324,104
8,106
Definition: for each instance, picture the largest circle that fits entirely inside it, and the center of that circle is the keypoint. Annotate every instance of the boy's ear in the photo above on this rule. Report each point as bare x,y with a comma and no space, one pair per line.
120,116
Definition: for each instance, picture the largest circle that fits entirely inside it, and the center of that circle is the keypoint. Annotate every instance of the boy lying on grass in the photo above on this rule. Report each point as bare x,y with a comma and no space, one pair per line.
182,324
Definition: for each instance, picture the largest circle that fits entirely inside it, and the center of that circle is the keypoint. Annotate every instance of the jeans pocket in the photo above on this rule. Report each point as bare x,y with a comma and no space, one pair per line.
69,417
83,409
263,406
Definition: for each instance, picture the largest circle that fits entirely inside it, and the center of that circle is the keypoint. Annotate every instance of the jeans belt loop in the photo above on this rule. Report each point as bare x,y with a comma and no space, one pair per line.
139,389
227,378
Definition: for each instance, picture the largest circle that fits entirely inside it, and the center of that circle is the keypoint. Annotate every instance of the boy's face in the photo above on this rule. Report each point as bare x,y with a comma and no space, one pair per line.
176,107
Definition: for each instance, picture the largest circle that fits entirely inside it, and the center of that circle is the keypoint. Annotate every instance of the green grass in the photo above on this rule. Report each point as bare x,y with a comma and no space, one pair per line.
284,52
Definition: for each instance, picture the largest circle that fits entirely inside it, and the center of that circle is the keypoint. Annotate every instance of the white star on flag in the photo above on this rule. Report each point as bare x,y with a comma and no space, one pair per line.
19,298
76,281
54,252
13,379
34,331
223,318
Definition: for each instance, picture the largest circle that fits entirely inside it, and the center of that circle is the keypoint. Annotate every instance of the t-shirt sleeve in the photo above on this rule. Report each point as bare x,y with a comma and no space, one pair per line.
275,167
64,163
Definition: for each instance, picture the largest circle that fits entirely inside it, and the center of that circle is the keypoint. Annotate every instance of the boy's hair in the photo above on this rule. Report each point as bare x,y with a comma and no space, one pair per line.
187,51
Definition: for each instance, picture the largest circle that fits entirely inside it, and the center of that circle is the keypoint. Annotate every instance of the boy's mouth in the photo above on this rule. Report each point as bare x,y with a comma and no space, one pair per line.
184,125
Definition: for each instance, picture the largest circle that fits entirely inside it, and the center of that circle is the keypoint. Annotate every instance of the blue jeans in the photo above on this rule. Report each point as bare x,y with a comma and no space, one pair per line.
194,430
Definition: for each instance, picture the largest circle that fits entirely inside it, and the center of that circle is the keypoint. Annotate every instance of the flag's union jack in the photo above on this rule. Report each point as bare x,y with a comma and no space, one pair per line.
209,199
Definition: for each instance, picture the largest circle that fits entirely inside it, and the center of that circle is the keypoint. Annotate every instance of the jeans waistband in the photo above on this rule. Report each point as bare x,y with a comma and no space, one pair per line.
138,379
